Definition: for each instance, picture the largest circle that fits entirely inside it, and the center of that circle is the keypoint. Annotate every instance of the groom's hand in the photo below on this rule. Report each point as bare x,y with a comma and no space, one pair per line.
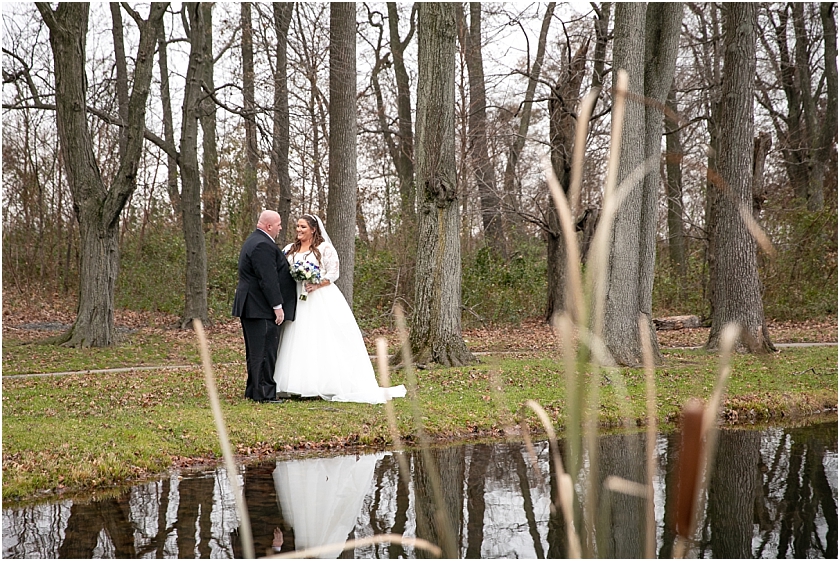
279,316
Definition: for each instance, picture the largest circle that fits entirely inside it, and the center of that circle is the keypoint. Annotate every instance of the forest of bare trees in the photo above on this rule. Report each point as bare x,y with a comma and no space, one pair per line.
139,142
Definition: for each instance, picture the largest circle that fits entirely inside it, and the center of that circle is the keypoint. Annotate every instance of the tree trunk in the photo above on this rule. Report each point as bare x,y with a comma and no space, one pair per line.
341,217
97,208
736,287
195,301
761,147
252,154
122,70
168,127
483,170
211,193
674,189
663,22
436,323
562,111
280,185
649,59
511,199
405,166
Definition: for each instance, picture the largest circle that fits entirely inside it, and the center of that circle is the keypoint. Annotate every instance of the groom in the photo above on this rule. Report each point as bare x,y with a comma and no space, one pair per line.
265,297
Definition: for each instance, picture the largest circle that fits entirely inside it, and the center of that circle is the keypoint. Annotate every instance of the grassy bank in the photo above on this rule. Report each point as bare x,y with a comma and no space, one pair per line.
95,430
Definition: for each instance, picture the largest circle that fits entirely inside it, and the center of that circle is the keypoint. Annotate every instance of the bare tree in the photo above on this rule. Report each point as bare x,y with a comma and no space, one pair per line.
195,300
341,215
483,171
97,207
405,138
515,147
674,188
436,323
808,130
279,193
736,294
211,192
562,110
168,126
251,203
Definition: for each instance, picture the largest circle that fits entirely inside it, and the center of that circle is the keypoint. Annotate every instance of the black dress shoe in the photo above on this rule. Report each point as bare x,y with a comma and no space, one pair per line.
273,401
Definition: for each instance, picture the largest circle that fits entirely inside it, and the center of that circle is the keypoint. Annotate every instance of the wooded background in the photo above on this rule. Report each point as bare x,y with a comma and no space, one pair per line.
139,144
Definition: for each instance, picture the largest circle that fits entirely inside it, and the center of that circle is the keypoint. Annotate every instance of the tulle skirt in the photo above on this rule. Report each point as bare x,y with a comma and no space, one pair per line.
322,353
321,498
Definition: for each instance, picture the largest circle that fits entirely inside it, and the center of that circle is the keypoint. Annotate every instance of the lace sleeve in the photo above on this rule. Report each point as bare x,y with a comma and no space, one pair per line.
329,262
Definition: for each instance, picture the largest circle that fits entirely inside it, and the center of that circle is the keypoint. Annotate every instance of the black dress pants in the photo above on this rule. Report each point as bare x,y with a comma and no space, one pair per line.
262,336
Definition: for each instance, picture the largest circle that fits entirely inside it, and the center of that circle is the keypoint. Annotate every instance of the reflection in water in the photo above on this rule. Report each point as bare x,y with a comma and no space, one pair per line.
773,494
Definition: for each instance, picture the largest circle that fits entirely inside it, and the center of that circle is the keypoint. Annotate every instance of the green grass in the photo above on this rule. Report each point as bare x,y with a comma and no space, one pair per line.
95,430
140,348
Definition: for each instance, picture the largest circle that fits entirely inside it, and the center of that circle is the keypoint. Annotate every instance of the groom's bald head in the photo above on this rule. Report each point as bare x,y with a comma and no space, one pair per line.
269,222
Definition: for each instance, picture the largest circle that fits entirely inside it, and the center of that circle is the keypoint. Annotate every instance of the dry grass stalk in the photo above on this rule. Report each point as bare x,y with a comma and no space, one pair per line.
385,380
650,390
565,490
618,484
230,464
709,434
332,549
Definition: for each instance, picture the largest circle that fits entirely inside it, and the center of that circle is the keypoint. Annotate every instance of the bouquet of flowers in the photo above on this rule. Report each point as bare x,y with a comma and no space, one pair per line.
306,272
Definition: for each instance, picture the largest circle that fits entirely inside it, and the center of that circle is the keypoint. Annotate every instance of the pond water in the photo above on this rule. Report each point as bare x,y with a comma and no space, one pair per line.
773,494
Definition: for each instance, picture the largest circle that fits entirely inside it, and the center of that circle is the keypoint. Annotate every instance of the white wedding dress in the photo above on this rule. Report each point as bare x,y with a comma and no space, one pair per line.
322,352
322,498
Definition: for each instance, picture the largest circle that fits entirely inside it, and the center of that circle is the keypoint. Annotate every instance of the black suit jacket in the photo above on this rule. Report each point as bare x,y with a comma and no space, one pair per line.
264,280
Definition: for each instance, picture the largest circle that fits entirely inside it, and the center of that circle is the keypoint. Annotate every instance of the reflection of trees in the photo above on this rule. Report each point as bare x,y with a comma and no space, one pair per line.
767,488
734,491
528,503
263,510
195,505
476,480
808,494
668,468
623,536
88,520
432,518
389,486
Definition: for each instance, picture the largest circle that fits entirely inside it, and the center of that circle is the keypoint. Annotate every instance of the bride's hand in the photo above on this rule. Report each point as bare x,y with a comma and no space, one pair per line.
308,287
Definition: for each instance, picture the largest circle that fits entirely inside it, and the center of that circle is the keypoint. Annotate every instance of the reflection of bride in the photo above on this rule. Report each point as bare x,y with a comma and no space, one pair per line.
322,352
321,498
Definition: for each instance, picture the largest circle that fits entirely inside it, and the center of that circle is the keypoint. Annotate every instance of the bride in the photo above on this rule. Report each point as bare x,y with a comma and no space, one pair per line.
322,352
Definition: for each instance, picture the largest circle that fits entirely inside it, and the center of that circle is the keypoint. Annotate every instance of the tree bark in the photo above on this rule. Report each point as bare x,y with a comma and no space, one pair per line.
562,111
663,22
168,127
674,189
736,285
211,194
649,59
252,154
279,195
483,170
511,199
97,208
341,217
436,323
195,300
761,147
122,70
